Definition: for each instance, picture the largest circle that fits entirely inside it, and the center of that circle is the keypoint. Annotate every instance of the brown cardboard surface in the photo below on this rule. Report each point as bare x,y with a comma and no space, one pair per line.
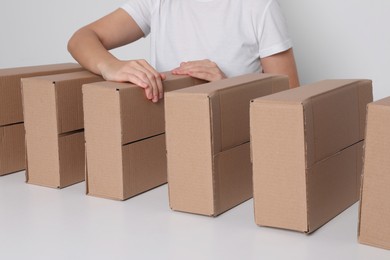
306,149
12,158
374,221
332,192
144,165
124,137
12,151
11,111
53,114
207,142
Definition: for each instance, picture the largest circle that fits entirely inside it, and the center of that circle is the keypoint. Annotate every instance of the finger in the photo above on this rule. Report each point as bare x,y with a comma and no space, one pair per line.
136,79
210,74
155,79
198,69
201,75
180,72
139,77
148,77
201,72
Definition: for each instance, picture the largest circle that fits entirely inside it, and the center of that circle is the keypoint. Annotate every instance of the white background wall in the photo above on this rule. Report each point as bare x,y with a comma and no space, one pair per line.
36,32
341,39
332,39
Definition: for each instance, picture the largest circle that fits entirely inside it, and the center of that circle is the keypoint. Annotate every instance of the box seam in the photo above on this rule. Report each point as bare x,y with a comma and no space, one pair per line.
59,184
215,167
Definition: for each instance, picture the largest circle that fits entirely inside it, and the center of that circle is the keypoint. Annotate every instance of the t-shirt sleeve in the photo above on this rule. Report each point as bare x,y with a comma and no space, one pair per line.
141,12
273,36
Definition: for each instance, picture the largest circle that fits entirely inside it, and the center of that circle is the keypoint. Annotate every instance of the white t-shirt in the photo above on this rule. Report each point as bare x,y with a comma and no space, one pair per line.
232,33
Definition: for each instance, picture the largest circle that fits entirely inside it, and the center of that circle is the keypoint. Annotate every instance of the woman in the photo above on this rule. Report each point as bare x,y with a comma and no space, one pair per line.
206,39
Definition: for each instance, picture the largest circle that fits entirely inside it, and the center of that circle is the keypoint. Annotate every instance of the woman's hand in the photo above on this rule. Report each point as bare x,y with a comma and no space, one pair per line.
138,72
201,69
90,45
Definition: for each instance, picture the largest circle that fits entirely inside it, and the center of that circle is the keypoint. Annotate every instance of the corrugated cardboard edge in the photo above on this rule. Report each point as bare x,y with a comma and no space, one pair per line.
103,131
41,88
290,116
200,178
361,239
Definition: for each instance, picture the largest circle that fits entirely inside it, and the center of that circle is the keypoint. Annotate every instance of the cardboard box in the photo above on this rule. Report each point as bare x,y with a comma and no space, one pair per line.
207,133
11,111
53,112
12,155
307,153
374,225
125,139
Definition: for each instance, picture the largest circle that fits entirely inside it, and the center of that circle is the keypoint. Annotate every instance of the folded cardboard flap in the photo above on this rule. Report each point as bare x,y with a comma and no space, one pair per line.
118,121
217,114
333,185
11,111
374,215
54,113
292,133
144,165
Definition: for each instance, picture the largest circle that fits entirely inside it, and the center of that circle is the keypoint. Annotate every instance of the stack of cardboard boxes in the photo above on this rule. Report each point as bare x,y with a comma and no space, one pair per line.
12,146
307,152
125,140
53,111
209,168
306,144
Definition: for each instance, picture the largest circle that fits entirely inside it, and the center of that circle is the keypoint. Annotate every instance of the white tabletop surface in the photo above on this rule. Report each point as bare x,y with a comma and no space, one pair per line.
44,223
